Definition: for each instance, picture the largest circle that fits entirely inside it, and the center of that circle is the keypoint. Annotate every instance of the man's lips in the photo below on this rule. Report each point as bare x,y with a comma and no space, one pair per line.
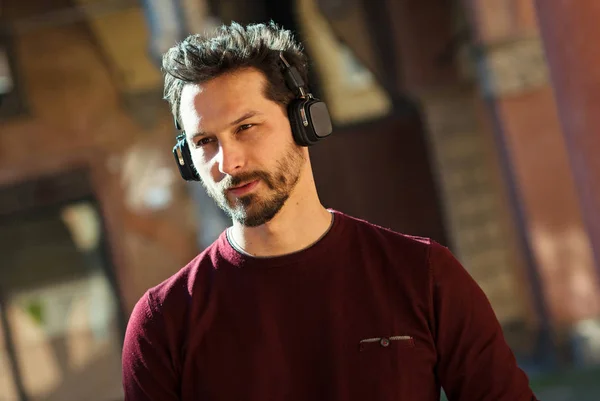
243,189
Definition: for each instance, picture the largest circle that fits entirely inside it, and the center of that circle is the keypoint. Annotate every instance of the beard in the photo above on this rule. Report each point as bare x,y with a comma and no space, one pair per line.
253,210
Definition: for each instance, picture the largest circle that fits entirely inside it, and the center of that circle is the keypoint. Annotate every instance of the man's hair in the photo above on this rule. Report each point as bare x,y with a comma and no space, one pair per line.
200,58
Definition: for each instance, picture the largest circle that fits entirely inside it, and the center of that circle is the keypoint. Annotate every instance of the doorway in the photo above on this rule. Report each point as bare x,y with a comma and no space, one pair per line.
61,325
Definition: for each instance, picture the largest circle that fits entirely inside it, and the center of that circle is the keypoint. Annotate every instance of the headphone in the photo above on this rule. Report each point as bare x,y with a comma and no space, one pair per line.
309,119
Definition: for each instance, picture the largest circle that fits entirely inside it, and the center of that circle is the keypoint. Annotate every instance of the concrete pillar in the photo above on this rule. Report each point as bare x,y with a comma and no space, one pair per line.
468,171
568,31
514,79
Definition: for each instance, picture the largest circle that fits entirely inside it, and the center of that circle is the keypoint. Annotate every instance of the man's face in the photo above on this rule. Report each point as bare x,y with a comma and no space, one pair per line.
241,145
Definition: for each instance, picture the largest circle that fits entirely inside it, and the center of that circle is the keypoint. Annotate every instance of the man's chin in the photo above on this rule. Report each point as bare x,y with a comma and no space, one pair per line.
256,220
243,204
253,216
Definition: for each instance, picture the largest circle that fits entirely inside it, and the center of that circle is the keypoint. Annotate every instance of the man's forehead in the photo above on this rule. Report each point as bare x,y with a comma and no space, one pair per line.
187,106
198,105
189,94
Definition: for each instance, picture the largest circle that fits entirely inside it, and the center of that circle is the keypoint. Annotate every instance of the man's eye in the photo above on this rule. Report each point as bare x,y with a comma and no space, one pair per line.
245,127
203,142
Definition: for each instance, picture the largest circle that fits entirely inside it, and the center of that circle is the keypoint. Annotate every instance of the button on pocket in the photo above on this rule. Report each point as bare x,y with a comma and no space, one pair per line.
401,341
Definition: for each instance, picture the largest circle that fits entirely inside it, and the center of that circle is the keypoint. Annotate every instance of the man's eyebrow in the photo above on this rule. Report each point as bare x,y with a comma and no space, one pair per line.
249,114
197,134
245,116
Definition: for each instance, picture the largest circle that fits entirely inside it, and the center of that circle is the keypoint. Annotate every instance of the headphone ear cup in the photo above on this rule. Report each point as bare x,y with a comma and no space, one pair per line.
298,129
183,158
317,117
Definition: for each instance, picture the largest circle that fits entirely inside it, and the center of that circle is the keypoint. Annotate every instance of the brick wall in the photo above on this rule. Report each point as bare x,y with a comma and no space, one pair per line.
513,75
475,200
76,119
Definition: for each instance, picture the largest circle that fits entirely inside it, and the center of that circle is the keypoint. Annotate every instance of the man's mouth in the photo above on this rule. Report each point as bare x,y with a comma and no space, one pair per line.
243,189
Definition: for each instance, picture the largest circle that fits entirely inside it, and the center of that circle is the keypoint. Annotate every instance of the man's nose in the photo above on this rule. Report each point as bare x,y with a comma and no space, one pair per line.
230,158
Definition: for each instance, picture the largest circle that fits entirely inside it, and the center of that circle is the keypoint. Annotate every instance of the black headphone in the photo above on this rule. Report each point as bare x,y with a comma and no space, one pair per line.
309,119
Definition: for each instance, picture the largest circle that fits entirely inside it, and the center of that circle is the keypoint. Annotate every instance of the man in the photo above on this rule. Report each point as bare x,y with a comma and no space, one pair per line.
294,301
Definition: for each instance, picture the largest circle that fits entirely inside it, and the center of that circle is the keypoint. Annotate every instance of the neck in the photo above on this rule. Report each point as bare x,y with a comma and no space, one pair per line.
299,224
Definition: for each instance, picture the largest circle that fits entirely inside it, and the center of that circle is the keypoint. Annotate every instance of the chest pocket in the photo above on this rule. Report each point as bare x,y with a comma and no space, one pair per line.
386,367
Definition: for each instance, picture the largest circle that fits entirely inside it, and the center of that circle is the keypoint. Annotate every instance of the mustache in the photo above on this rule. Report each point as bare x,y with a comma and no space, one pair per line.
244,178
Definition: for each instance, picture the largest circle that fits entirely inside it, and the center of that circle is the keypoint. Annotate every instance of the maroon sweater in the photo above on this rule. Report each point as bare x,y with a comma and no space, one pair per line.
365,314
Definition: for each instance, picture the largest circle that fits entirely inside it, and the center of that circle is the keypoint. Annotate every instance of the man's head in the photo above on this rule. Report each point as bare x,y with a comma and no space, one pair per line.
229,94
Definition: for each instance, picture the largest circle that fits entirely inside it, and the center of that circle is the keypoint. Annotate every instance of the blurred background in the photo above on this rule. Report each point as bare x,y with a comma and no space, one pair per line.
473,122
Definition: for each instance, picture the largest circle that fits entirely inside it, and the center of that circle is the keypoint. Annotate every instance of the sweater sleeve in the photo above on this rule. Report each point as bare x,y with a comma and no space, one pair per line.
148,374
474,360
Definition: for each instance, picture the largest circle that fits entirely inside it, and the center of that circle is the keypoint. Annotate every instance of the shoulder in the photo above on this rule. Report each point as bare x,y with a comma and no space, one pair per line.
167,304
378,235
417,255
154,344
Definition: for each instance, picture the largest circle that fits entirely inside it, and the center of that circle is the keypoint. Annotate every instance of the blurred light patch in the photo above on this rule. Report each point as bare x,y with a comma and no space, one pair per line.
6,80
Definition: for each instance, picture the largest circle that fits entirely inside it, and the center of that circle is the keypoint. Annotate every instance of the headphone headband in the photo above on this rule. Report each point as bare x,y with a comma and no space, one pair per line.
294,79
